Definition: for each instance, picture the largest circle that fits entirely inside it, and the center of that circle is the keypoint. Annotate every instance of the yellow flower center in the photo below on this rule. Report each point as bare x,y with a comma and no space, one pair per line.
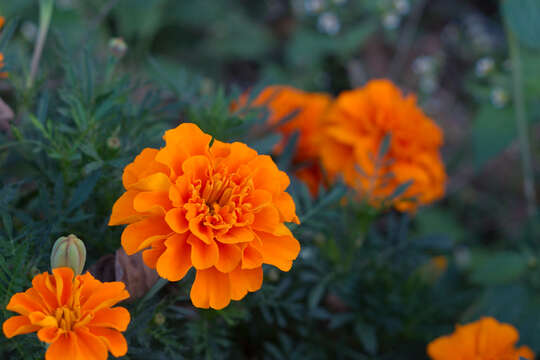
67,317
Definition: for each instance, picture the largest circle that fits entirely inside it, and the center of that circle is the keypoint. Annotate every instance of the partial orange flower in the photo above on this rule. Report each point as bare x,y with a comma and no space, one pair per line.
354,130
485,339
219,208
3,74
72,314
309,109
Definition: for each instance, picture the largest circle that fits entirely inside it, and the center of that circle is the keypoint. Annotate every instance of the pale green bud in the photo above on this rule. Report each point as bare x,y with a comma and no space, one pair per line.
69,251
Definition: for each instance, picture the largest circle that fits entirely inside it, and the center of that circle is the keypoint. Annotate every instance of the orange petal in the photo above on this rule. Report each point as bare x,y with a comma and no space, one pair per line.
64,284
175,261
279,250
197,168
210,289
229,257
27,302
525,352
155,182
105,295
143,166
116,318
236,235
123,211
18,325
267,219
251,258
239,154
154,202
141,234
197,228
65,347
287,208
42,320
203,255
176,218
49,334
258,199
242,281
116,343
42,284
152,255
89,345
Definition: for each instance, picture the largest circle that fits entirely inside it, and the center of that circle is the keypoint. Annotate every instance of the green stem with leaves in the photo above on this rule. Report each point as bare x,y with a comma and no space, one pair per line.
46,8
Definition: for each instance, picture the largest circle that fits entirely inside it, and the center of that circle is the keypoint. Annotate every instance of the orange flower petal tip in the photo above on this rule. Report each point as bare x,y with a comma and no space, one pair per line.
219,208
354,131
483,339
73,314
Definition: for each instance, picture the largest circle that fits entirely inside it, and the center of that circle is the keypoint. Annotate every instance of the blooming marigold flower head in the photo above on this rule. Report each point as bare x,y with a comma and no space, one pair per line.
220,209
74,315
485,339
356,127
307,110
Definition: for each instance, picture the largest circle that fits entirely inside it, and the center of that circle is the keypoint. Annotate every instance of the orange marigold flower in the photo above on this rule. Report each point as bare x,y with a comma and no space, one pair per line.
74,315
485,339
354,129
220,209
310,107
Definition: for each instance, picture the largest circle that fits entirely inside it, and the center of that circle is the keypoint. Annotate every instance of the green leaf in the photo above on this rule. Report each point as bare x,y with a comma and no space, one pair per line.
493,130
523,17
497,268
367,336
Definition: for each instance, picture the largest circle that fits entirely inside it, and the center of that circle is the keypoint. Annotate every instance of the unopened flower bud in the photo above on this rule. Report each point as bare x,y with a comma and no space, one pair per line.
118,47
69,251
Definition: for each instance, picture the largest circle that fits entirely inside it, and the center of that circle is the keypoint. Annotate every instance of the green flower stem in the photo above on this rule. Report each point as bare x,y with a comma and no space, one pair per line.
521,121
46,8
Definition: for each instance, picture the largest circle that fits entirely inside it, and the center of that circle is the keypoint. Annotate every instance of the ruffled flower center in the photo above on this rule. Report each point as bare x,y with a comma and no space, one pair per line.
67,317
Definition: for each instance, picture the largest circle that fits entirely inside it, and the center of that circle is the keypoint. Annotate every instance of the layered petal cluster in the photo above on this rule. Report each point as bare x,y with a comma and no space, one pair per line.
219,208
354,131
75,315
485,339
2,73
307,111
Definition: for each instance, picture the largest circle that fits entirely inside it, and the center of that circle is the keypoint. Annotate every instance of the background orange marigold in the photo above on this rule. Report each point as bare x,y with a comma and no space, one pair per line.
354,129
220,209
74,315
485,339
307,110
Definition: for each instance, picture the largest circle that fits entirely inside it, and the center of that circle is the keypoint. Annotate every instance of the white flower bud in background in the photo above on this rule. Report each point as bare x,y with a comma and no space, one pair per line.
314,6
29,31
391,21
484,66
69,251
402,6
499,97
113,142
118,47
424,65
328,23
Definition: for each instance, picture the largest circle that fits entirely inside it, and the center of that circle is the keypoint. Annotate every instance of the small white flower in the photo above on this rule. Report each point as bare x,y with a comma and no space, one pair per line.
423,65
391,21
484,66
402,6
314,6
499,97
328,23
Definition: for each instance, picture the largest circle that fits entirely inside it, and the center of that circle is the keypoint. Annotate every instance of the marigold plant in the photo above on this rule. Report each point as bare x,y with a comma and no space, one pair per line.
74,315
219,208
359,122
307,110
485,339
